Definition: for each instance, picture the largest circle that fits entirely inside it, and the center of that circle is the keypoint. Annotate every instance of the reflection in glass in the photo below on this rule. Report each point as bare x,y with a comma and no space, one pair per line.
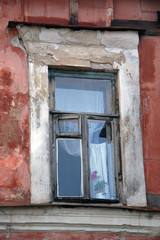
101,160
82,95
68,126
69,168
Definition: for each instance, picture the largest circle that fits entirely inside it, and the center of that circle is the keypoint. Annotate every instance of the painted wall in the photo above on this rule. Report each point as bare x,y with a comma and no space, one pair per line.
14,106
150,104
136,10
14,100
91,12
72,236
14,112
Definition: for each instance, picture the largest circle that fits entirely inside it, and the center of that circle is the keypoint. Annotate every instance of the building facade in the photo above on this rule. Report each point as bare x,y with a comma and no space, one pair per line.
79,119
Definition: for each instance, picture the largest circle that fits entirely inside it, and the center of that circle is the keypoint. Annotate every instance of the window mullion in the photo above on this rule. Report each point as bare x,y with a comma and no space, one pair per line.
54,154
85,157
116,157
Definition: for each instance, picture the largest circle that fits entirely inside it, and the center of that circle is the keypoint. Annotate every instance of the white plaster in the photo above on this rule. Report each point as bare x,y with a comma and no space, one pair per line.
56,46
15,43
52,37
88,49
39,134
13,103
109,12
105,220
131,138
122,39
67,36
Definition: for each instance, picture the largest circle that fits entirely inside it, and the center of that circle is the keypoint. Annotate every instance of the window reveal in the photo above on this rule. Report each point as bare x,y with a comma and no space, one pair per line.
85,141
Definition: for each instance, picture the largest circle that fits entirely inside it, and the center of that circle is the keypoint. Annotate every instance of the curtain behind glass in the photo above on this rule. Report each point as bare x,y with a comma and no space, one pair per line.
101,162
82,95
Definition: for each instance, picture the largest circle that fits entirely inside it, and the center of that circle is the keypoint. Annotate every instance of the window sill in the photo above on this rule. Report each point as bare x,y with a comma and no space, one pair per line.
84,205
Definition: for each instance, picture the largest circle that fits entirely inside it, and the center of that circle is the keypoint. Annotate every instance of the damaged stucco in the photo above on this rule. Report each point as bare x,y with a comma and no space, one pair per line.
82,220
87,49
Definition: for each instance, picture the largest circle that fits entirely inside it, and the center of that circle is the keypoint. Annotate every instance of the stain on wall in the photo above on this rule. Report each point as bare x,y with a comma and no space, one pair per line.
14,113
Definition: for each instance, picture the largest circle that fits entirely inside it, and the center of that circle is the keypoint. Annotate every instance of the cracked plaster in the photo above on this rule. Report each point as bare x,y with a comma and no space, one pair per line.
90,50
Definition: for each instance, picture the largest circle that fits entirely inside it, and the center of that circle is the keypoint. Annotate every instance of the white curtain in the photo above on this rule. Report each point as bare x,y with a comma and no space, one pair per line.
79,100
101,162
98,154
71,146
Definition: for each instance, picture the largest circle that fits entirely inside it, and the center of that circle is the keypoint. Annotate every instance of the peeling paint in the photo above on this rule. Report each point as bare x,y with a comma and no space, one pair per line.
15,43
88,49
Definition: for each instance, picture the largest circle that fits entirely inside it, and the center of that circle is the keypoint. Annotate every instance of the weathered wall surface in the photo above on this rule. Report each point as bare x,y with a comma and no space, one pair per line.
136,10
72,236
15,176
91,12
14,106
150,105
95,50
78,223
14,112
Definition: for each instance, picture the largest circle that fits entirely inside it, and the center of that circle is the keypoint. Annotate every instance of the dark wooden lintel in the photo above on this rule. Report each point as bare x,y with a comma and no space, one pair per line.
143,27
133,24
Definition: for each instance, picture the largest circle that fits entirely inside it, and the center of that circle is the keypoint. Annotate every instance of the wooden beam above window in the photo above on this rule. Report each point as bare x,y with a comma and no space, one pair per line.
144,27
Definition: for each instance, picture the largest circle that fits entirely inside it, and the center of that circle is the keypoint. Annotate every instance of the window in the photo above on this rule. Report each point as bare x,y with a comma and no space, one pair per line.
104,54
84,121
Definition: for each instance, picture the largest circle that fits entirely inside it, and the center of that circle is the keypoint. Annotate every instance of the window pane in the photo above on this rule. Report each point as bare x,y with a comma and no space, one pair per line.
68,126
69,168
101,160
82,95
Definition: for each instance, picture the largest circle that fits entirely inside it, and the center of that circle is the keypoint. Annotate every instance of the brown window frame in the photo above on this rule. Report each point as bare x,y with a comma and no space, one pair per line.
113,118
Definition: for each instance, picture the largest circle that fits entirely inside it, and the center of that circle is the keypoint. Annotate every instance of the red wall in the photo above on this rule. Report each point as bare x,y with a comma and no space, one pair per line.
136,10
150,102
14,112
47,11
91,12
73,236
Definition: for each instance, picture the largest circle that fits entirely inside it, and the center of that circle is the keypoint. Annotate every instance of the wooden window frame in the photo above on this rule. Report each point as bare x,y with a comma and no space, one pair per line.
113,118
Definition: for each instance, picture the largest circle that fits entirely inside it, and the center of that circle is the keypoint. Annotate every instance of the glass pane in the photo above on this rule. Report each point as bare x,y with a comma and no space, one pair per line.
69,167
101,160
82,95
68,126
